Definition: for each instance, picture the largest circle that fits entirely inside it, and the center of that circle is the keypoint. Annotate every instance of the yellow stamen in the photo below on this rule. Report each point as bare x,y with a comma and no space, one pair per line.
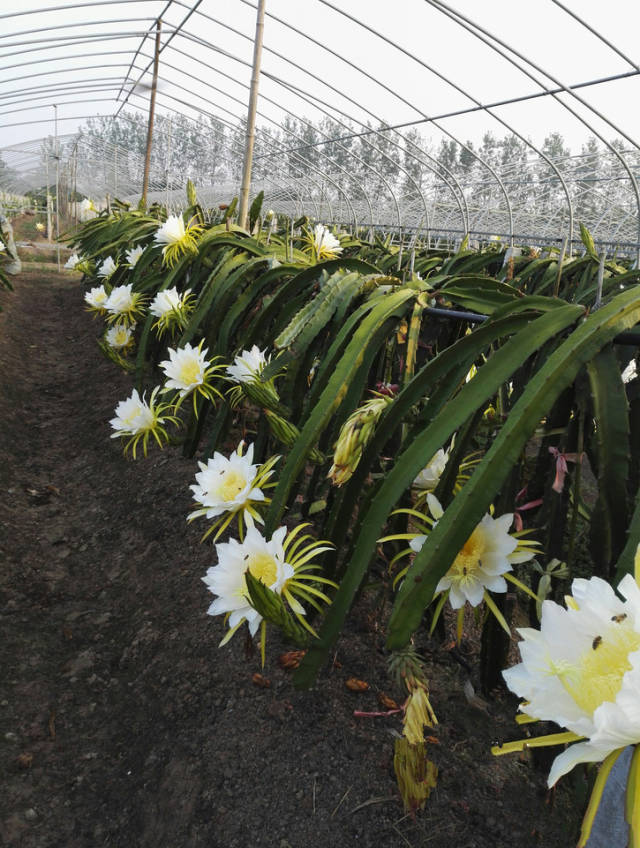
597,676
264,568
232,484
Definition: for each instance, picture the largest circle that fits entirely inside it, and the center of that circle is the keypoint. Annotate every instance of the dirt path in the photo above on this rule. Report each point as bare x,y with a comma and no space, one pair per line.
122,724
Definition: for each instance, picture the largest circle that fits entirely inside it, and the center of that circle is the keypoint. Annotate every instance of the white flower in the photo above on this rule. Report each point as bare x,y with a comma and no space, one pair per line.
186,368
171,232
3,248
72,261
247,366
107,268
86,210
119,336
266,562
327,246
96,298
226,485
133,416
582,670
430,475
120,301
133,255
487,554
177,239
168,300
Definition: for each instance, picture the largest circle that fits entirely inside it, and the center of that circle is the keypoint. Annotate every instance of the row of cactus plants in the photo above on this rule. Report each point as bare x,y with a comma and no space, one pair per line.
394,425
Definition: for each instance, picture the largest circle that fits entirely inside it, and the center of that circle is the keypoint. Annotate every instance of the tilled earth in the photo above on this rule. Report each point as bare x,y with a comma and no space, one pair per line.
122,723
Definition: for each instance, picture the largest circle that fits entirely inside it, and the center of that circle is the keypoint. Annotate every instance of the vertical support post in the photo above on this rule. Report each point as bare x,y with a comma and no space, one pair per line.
115,170
57,155
168,166
75,186
251,118
152,109
47,198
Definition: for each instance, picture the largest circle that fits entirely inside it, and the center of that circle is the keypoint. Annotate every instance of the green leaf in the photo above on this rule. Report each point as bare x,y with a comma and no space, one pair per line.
255,209
362,347
588,242
482,294
612,446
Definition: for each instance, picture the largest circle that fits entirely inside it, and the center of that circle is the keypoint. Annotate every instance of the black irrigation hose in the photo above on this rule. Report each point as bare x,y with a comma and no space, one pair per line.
628,337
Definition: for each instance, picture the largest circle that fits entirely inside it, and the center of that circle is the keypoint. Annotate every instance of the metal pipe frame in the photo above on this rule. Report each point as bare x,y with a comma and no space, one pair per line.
9,41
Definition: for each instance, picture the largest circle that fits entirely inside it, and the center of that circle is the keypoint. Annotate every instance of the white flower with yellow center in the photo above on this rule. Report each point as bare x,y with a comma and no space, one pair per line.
171,232
324,244
133,416
123,304
283,564
175,238
189,372
430,475
138,420
97,298
186,368
167,301
119,336
230,486
582,670
248,365
481,566
72,261
172,309
133,255
488,553
107,268
266,562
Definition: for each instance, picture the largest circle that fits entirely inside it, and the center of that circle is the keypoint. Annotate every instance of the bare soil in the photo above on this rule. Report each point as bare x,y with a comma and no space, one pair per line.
121,721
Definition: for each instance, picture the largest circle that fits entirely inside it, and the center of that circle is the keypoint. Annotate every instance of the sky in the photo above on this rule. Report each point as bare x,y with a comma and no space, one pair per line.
381,61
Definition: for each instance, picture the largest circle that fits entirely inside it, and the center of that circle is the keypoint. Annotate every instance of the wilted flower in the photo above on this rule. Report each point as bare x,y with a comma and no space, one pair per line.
188,370
324,245
124,305
231,486
418,712
171,309
176,238
72,261
283,567
96,298
137,419
107,268
248,365
119,336
133,255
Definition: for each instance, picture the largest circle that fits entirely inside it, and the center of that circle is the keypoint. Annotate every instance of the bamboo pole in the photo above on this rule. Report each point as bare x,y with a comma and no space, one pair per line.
152,109
251,118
